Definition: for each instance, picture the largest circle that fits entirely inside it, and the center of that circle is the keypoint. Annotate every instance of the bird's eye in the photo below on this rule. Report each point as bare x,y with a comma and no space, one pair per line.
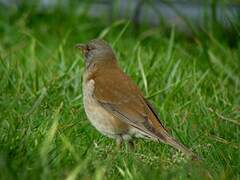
90,47
87,48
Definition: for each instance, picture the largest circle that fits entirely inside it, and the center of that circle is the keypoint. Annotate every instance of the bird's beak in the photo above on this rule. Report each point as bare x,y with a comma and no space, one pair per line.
82,47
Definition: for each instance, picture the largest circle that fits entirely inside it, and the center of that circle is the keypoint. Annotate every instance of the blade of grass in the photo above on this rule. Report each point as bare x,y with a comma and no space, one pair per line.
47,143
6,72
121,33
173,72
236,122
105,31
74,173
142,71
38,102
69,146
224,68
170,45
161,90
196,85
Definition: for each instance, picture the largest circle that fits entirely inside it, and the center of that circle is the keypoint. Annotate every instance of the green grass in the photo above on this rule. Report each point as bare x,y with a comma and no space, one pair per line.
44,132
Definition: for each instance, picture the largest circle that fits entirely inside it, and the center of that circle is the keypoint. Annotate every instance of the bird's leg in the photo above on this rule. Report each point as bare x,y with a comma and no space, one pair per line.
131,145
119,142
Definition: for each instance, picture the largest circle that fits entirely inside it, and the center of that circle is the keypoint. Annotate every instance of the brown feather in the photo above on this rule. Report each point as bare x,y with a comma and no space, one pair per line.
116,92
121,98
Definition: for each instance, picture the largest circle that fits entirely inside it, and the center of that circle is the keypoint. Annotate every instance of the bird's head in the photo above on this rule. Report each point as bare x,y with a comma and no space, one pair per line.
96,50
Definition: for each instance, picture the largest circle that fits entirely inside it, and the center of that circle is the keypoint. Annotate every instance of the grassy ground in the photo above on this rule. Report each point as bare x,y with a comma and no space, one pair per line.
44,132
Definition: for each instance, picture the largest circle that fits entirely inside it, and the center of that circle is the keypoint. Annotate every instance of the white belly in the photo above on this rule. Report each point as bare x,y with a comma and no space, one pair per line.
97,115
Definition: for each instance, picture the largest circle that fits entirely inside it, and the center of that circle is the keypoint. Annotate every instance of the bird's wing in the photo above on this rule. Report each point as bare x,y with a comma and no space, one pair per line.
122,98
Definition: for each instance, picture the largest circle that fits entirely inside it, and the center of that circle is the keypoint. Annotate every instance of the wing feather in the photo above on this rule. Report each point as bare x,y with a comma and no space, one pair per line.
125,101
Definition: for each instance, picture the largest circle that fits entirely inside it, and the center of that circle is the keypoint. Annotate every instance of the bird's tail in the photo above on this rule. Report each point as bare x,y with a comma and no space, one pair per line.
177,145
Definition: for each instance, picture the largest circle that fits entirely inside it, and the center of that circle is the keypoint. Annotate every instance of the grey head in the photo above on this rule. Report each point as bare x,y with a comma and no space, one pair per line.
96,50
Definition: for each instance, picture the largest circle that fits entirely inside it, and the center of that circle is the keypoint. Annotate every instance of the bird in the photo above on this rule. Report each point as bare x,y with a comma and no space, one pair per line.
114,104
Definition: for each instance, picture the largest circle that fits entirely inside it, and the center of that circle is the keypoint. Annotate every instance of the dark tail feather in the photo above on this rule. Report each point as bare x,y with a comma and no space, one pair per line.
175,144
163,136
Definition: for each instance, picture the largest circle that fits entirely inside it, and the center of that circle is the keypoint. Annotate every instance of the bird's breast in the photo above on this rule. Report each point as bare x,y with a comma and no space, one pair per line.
101,119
